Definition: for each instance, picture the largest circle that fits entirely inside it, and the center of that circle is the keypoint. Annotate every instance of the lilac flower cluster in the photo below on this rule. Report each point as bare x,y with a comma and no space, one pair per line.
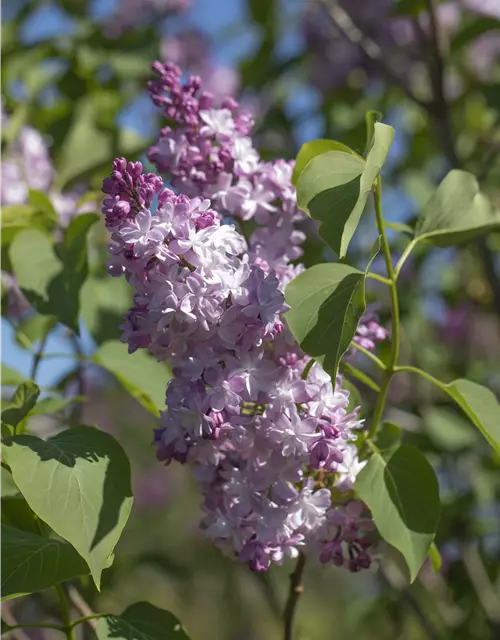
269,437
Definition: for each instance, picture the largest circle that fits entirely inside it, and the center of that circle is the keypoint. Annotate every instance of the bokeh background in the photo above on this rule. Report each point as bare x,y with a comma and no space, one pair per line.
74,76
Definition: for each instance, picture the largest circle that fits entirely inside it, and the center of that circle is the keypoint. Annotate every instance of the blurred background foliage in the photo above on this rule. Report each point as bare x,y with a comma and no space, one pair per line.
75,71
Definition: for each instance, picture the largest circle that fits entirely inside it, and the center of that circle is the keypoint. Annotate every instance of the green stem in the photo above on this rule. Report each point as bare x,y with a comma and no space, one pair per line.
86,619
375,276
345,367
423,374
64,605
39,352
394,353
307,368
404,256
369,354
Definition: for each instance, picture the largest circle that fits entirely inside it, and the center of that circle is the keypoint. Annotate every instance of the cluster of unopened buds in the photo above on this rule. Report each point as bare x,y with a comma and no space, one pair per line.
269,437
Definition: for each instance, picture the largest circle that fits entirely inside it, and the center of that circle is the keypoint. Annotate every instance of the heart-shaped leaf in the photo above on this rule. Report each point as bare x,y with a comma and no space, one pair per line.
456,212
78,482
326,303
141,375
31,563
401,490
481,407
141,621
310,150
334,186
23,401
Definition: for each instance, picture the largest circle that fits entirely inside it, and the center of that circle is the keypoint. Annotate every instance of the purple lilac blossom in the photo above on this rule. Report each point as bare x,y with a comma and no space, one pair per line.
266,446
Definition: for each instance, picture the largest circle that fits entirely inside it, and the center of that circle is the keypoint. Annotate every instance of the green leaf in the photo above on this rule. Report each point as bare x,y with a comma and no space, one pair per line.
54,404
52,284
448,430
78,482
456,212
104,302
41,202
141,375
400,488
16,513
85,146
399,227
9,487
262,11
334,187
473,30
481,407
435,558
408,7
31,563
11,376
35,265
141,621
75,269
388,436
31,330
310,150
23,401
18,218
326,303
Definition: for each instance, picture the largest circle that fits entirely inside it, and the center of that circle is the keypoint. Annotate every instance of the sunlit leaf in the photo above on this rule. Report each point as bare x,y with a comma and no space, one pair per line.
456,212
481,407
141,375
326,303
401,490
79,484
334,188
22,402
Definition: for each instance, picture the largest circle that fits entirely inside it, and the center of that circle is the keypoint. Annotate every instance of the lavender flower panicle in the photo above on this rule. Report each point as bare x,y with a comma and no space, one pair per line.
266,445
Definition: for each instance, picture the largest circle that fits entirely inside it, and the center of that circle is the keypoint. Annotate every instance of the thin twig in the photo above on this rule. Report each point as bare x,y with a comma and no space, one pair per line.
294,594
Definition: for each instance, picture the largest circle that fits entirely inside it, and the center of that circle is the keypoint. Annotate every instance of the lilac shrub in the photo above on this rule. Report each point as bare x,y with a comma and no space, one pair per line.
269,438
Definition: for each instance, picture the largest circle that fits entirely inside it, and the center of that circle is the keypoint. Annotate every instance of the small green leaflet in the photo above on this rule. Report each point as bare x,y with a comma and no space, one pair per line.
481,407
456,212
326,303
334,187
23,401
401,490
141,621
140,374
